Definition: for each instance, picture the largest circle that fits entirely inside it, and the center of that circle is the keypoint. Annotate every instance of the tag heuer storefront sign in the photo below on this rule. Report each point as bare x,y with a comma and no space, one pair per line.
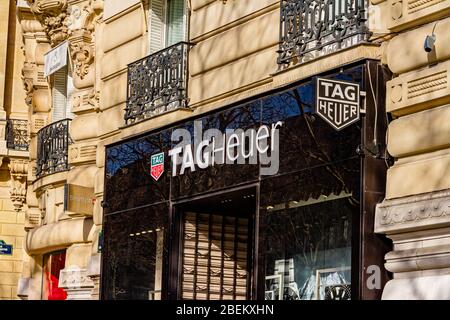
337,102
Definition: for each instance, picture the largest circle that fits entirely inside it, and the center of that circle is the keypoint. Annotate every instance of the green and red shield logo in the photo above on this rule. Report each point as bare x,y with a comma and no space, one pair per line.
157,165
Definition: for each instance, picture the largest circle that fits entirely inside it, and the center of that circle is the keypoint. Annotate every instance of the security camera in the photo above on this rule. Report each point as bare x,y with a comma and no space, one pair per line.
428,46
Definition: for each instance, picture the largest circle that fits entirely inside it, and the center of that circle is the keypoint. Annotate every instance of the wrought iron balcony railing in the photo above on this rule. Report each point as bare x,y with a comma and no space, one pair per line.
157,83
17,135
53,148
311,28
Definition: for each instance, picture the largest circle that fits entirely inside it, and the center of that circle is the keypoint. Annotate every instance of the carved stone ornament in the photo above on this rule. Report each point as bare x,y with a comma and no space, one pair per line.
413,212
75,277
52,14
82,23
29,89
82,55
18,191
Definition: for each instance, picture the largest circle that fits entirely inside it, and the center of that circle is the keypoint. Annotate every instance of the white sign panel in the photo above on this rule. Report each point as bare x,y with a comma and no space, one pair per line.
55,59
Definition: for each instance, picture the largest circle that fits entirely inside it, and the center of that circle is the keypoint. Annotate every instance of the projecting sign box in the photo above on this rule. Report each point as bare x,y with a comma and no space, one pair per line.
79,200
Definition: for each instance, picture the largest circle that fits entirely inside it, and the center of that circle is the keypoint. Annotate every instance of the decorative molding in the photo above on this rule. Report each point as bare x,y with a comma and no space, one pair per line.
405,14
33,218
83,152
53,16
86,100
418,90
74,277
82,23
81,52
413,213
18,192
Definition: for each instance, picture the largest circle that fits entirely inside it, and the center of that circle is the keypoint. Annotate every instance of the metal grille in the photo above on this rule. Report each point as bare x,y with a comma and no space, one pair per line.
308,26
215,265
17,136
157,83
53,146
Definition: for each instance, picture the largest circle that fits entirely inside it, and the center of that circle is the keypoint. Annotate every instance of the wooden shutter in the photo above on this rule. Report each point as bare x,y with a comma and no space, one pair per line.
59,94
156,29
214,254
176,22
70,91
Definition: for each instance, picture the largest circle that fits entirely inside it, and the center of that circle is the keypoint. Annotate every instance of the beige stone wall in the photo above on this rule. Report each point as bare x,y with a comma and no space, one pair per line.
13,164
12,232
415,212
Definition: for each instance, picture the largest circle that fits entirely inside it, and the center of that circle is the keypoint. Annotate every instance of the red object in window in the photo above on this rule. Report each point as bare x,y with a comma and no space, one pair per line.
55,264
54,292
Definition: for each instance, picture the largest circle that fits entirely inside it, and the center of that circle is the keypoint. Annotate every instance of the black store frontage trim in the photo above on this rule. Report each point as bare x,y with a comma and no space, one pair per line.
227,231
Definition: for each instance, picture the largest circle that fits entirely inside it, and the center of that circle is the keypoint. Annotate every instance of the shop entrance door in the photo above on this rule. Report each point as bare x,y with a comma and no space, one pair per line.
216,248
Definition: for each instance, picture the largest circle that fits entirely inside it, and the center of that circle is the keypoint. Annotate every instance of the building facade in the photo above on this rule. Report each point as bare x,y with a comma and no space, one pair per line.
13,155
120,96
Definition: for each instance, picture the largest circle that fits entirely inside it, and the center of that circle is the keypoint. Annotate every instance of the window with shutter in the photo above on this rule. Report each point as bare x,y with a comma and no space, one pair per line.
62,95
59,94
167,23
156,29
70,91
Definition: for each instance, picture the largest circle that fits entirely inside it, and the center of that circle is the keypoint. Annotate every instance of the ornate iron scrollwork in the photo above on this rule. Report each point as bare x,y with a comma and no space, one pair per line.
17,136
53,148
314,26
157,83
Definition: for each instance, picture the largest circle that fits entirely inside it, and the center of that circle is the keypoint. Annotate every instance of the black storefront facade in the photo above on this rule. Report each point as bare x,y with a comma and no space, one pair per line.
229,232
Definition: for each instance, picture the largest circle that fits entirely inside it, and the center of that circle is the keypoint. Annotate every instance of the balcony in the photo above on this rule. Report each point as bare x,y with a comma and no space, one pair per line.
157,83
313,28
17,136
53,145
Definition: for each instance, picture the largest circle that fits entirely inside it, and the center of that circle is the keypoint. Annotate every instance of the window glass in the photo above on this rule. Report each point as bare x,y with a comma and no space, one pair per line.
53,264
308,232
128,172
176,22
134,251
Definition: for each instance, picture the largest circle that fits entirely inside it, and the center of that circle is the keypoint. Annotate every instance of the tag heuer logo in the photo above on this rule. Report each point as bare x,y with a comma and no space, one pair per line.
157,165
337,102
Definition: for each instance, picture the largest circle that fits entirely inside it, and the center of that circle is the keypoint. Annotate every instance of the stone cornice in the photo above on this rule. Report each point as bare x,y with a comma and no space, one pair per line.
413,213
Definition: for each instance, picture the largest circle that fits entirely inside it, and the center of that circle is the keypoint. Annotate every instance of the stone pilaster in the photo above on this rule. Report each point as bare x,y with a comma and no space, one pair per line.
76,283
94,274
419,227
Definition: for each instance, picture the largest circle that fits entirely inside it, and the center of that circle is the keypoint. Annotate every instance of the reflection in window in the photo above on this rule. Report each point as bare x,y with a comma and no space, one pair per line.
134,245
309,249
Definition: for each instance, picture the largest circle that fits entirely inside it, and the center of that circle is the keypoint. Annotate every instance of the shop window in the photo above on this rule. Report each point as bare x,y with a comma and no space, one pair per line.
310,251
53,264
167,23
62,94
135,251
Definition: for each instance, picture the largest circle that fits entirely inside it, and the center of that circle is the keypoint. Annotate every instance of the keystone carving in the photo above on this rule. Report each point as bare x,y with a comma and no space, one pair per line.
18,191
52,14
